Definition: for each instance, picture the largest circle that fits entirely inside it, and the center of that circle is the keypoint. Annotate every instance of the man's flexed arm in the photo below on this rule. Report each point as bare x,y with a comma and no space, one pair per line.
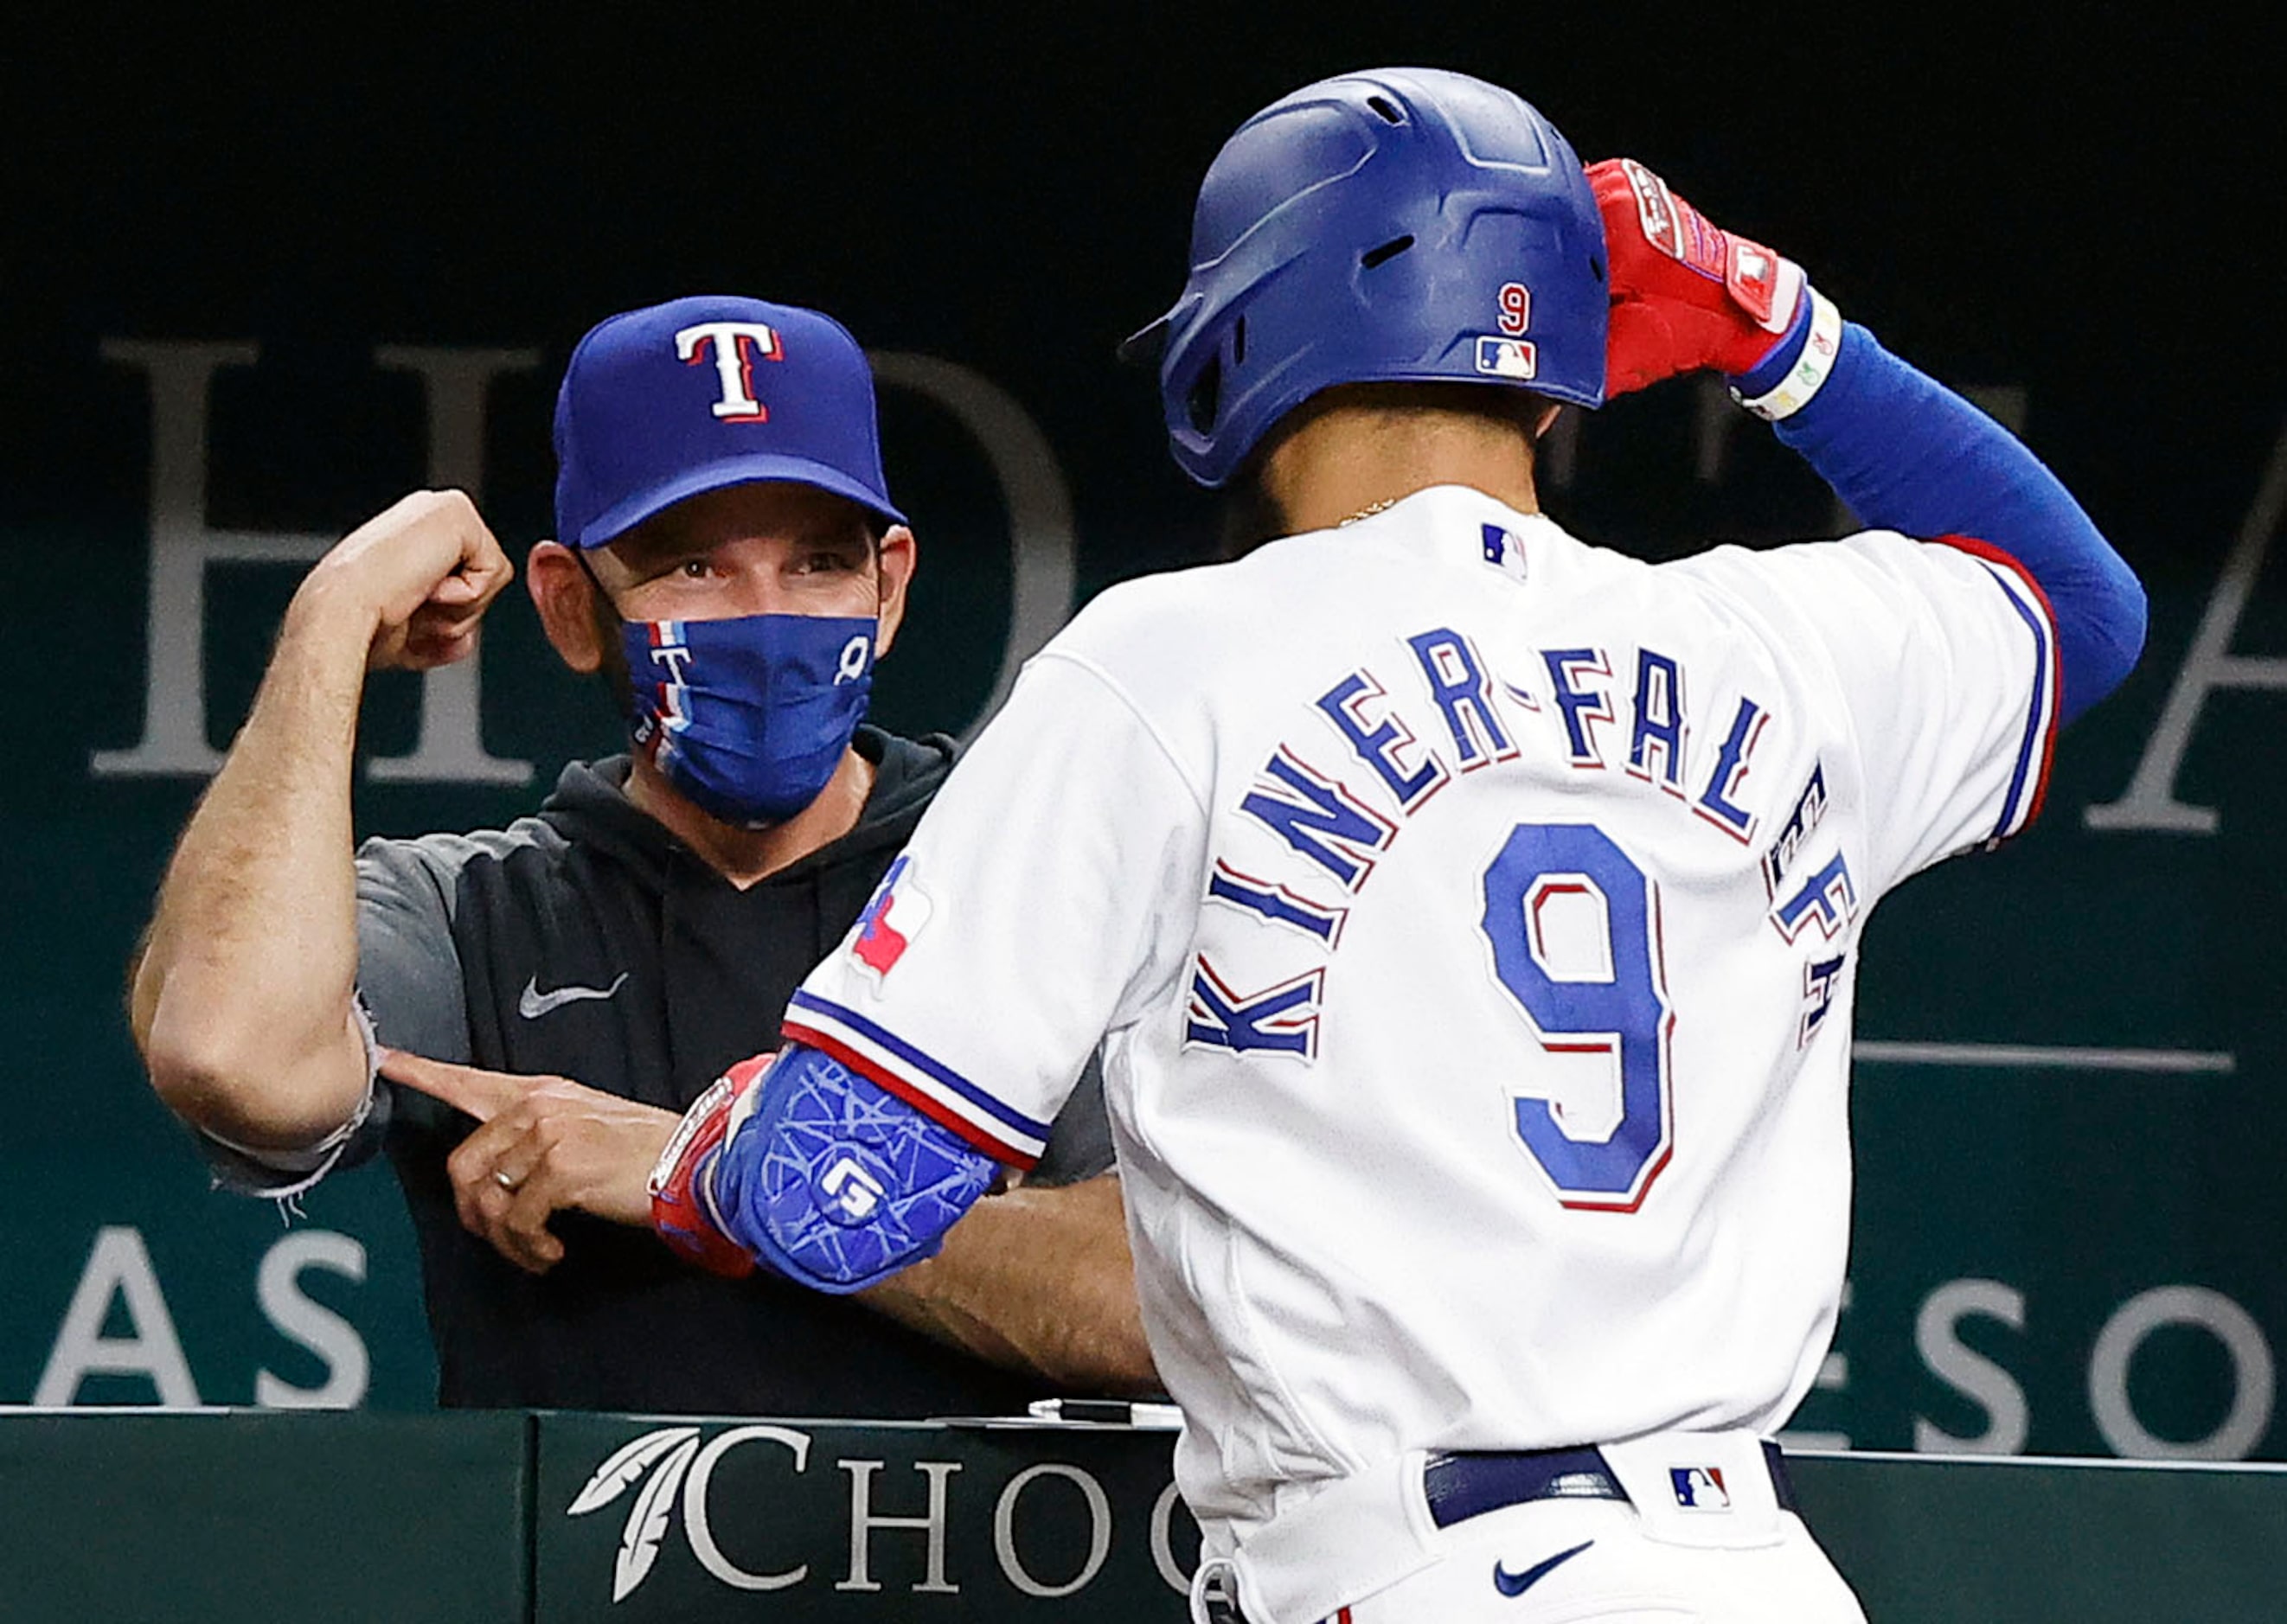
241,998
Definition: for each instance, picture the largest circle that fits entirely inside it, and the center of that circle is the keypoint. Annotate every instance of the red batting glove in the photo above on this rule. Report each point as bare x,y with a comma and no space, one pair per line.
1686,295
681,1209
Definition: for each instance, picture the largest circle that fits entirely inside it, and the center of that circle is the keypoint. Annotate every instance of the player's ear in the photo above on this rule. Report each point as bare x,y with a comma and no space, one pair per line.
566,599
894,572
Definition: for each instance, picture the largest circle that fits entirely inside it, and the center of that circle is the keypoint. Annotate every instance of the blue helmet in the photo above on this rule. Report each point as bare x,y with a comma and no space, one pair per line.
1404,224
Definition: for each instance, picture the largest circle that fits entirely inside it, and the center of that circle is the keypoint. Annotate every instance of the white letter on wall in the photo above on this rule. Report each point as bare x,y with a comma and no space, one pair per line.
1032,484
2149,803
1099,1529
1970,1373
450,748
119,1264
315,1327
175,686
2252,1378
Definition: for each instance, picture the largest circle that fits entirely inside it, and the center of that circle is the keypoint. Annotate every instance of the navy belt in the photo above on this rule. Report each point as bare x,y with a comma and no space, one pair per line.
1466,1485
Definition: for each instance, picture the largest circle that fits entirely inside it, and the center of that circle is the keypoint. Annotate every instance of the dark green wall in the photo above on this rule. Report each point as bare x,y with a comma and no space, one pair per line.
513,1517
1008,197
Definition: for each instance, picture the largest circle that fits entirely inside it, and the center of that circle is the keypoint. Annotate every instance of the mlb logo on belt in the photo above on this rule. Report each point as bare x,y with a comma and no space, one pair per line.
1508,357
1699,1488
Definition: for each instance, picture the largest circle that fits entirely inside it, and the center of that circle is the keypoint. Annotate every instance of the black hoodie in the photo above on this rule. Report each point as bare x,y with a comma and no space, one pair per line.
468,948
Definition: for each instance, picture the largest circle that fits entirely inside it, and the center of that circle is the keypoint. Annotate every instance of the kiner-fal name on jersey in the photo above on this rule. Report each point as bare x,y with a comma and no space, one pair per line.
1340,799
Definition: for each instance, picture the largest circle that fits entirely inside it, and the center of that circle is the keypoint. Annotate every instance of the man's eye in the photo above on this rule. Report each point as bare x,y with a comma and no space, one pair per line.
693,569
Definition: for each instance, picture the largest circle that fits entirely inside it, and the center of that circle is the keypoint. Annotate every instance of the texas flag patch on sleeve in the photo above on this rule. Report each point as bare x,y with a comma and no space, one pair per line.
901,908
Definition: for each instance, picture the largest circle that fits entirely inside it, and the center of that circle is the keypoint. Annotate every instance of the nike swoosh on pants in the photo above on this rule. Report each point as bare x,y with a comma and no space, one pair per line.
1517,1584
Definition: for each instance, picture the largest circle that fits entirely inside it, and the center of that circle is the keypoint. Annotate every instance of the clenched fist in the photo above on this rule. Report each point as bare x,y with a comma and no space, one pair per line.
421,574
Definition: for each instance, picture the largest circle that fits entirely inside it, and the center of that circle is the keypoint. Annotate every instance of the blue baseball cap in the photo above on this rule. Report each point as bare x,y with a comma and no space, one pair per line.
662,403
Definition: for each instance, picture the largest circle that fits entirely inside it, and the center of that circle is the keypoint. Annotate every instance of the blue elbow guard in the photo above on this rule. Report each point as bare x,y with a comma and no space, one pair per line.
837,1183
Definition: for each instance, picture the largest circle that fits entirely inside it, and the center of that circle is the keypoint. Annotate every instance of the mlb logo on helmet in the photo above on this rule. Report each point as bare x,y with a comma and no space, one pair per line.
1699,1488
891,921
1508,357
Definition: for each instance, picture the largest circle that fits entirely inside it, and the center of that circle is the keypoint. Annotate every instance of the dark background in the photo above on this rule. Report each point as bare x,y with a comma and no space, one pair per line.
2080,202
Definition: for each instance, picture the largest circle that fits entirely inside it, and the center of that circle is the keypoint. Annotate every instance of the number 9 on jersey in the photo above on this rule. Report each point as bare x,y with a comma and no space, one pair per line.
1549,880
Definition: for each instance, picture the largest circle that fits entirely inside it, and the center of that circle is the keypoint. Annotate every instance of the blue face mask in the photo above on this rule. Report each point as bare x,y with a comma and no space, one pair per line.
748,716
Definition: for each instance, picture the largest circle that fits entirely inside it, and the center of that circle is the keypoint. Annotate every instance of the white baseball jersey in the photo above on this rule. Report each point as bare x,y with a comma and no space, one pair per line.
1468,915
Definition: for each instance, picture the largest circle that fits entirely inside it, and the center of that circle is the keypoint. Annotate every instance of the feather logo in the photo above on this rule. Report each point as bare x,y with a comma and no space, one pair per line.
647,1521
670,1450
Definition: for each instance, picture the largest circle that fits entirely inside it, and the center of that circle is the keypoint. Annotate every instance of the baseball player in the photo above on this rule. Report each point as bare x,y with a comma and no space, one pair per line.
1467,915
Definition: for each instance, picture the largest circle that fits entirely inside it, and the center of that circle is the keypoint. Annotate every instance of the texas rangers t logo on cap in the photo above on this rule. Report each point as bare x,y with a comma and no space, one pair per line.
632,438
735,343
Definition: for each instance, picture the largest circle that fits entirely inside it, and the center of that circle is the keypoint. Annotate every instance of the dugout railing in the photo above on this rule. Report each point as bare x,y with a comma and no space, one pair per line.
554,1518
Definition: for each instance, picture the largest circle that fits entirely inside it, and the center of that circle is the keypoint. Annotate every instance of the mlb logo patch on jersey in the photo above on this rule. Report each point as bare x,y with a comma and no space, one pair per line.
1508,357
1502,549
891,921
1699,1488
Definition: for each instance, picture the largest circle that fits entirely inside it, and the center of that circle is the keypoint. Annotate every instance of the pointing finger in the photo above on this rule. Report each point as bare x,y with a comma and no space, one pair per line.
482,1094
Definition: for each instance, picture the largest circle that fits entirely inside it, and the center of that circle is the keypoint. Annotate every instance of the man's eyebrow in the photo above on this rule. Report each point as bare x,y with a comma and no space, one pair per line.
652,552
664,549
834,532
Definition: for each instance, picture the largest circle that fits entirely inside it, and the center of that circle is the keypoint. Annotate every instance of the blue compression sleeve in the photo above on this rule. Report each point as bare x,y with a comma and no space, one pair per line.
1909,454
837,1183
